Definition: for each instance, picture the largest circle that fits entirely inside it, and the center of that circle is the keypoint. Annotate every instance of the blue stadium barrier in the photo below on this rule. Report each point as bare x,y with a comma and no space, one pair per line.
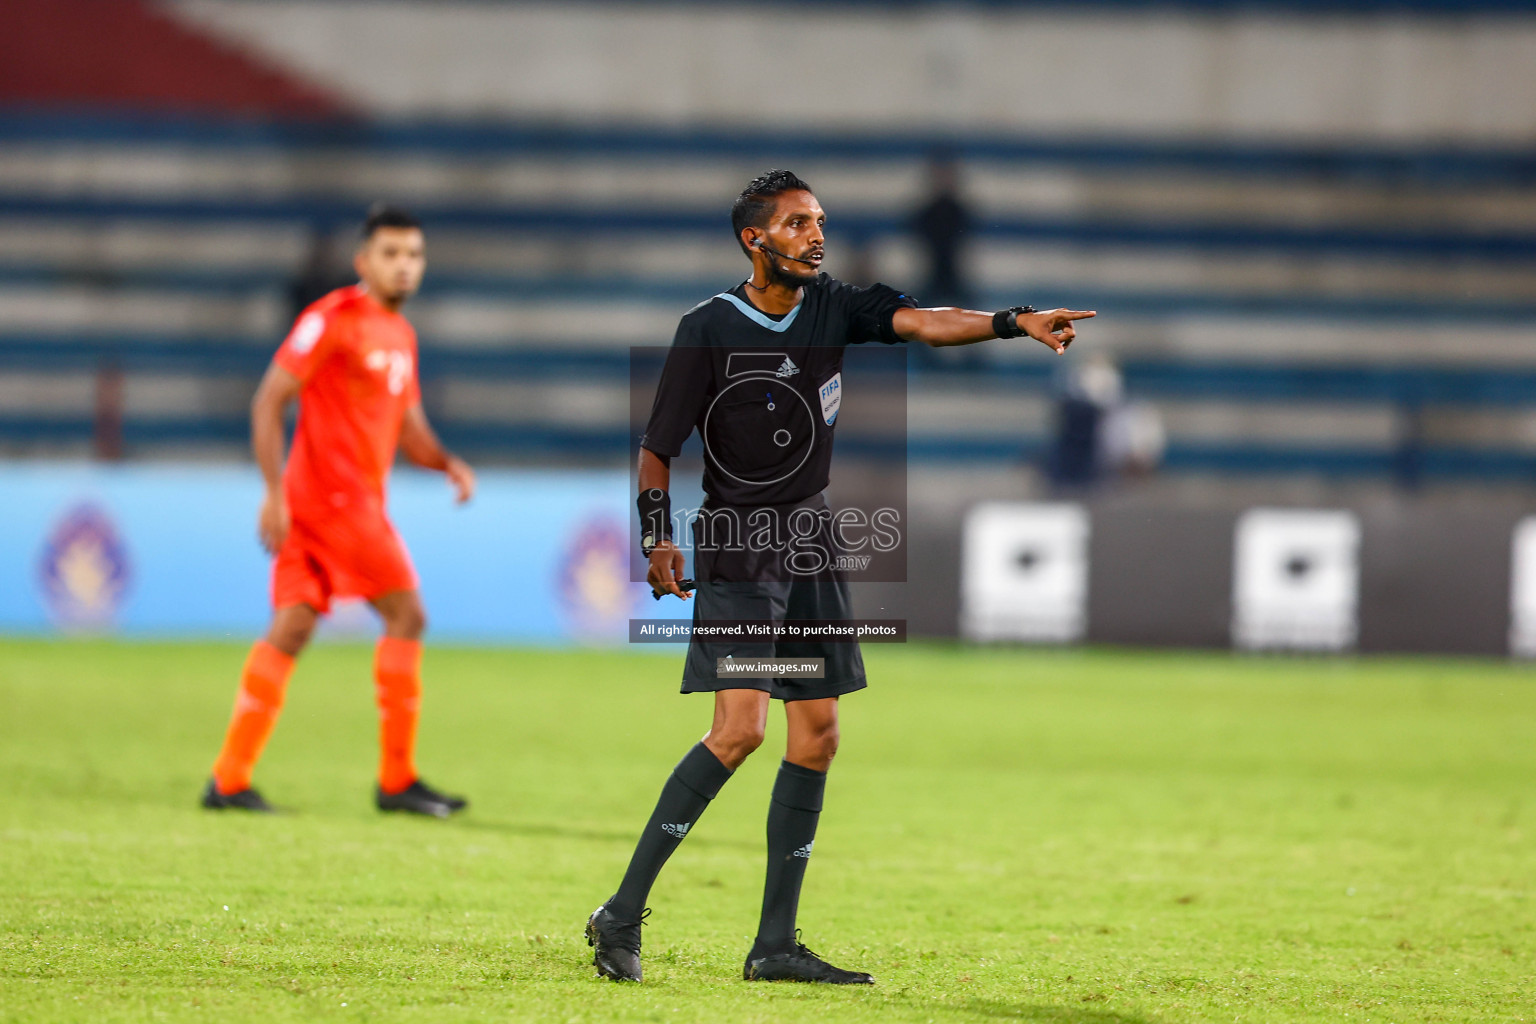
1492,246
1441,165
1492,386
214,280
613,446
1428,462
129,352
1410,386
684,294
249,357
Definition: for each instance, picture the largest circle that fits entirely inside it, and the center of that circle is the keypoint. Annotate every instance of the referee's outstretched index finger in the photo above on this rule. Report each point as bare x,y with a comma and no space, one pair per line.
1077,314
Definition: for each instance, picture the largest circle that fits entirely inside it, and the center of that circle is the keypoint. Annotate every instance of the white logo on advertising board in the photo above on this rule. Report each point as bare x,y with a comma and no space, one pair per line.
1296,580
1024,572
1522,590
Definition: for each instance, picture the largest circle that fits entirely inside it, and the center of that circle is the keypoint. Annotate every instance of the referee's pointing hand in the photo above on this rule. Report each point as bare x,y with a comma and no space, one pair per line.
1054,326
666,569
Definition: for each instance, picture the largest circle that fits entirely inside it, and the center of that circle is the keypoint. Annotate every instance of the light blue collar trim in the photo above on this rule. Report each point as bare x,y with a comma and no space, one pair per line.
760,318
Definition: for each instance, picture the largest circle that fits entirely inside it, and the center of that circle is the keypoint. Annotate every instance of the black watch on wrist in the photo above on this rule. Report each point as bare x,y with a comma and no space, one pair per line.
1005,322
655,507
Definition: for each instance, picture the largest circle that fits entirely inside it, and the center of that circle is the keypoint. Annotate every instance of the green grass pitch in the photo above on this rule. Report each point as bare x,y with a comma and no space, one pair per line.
1103,837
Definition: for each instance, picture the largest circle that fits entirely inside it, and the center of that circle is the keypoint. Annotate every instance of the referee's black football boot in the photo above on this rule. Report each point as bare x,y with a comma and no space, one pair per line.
245,800
419,798
799,964
615,943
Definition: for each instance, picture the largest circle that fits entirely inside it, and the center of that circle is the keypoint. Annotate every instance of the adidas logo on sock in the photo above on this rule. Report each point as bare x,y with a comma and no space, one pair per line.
787,368
805,851
677,830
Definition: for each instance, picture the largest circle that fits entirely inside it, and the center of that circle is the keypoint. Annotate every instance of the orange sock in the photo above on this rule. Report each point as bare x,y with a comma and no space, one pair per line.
397,687
263,682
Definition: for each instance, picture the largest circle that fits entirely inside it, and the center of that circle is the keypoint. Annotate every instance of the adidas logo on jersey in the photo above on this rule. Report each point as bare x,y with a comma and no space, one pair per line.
805,851
677,830
787,368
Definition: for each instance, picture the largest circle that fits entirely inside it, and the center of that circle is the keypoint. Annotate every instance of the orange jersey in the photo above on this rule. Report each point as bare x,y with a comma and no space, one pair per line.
357,362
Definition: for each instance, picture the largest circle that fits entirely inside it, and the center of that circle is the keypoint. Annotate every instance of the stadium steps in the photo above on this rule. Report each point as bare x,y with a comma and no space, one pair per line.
1423,384
1331,421
146,172
228,436
216,285
1252,242
1289,311
1395,241
1452,165
604,187
1132,327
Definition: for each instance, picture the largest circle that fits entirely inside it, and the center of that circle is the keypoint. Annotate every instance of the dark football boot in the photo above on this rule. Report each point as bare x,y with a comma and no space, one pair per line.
454,803
245,800
615,944
417,798
800,964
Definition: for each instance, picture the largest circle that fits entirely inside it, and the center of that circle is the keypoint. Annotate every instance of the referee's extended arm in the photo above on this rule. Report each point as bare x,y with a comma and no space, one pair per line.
667,563
948,325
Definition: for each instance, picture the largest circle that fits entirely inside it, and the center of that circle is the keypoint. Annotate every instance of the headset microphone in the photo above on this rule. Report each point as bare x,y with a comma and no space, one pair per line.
765,247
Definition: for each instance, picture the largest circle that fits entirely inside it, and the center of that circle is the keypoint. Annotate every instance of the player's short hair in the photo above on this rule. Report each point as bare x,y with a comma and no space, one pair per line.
387,215
753,207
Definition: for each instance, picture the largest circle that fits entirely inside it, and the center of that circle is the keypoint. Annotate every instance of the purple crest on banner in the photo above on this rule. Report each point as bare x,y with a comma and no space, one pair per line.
84,570
594,579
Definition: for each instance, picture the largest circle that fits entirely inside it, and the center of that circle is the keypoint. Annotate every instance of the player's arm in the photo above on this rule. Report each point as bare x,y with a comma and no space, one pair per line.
666,559
277,389
947,325
419,442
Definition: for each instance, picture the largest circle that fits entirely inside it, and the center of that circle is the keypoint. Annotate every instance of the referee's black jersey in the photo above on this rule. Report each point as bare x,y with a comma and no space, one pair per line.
764,391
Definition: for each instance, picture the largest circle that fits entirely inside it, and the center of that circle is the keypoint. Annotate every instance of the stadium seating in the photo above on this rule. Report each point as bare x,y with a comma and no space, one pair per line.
1288,310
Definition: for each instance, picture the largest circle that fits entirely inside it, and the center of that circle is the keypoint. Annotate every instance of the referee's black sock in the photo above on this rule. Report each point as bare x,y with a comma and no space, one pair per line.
690,788
792,816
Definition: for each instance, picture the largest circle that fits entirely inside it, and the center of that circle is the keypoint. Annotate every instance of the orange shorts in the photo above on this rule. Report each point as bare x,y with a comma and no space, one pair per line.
357,554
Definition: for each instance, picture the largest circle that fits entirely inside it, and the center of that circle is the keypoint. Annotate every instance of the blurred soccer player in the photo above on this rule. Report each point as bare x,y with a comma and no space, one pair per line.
350,360
764,471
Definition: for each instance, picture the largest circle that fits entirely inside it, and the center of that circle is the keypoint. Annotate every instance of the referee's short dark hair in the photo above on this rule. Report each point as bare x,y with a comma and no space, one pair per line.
756,202
387,215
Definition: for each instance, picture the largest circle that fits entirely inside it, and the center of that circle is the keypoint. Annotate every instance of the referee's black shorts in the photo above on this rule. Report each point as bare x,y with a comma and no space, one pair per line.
757,586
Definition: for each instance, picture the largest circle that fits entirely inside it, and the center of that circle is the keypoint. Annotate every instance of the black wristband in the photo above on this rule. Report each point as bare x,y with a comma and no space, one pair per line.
1005,322
655,507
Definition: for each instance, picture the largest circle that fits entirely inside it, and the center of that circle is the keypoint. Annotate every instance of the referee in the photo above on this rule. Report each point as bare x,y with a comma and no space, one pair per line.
757,371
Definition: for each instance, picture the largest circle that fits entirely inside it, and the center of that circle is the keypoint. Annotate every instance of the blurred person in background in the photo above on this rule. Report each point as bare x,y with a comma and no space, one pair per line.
859,268
350,362
321,274
942,225
1133,440
1099,434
